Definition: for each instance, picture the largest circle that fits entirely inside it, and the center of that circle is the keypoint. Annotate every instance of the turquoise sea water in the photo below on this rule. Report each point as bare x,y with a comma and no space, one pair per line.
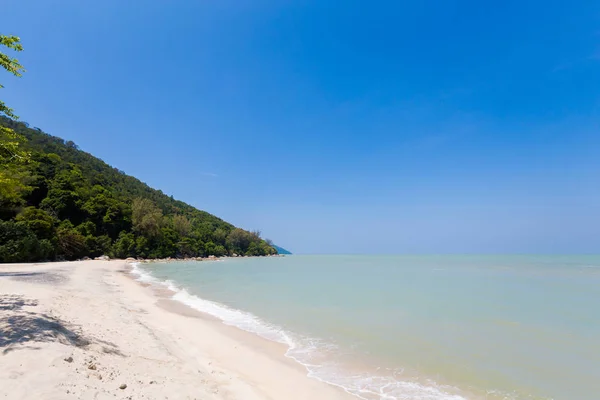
415,327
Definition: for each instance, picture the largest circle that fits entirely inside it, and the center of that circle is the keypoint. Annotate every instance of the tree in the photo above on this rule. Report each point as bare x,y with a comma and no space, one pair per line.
239,240
181,225
220,236
167,243
19,244
10,64
97,245
124,246
71,243
212,249
146,217
142,247
39,221
13,173
12,156
11,150
15,179
186,247
63,198
253,250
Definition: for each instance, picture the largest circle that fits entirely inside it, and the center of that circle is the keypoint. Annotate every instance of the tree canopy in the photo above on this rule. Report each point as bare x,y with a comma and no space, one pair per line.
10,64
72,204
13,177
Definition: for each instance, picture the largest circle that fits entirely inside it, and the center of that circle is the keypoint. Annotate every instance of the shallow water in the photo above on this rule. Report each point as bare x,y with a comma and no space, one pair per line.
415,327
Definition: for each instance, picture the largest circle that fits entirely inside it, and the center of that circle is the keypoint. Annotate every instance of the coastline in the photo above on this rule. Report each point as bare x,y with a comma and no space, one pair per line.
184,259
364,377
85,329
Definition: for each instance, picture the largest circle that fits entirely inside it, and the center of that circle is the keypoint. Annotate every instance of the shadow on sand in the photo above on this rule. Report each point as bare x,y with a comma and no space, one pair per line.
36,277
19,327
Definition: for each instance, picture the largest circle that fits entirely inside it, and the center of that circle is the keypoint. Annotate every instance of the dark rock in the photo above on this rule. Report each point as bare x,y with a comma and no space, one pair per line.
123,386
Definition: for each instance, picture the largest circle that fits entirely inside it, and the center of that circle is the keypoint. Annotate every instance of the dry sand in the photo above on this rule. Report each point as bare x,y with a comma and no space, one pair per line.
84,330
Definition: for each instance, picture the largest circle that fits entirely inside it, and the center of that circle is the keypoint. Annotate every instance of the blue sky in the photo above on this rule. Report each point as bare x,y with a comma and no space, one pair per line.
336,127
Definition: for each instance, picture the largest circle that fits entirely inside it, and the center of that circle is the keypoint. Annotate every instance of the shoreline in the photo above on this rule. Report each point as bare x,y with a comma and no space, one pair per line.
175,259
85,329
359,371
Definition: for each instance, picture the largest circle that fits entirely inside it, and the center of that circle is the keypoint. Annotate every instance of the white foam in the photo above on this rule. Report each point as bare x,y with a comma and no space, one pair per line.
143,276
231,316
306,351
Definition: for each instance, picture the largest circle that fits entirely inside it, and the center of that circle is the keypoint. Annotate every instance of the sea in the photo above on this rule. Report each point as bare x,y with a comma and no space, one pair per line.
418,327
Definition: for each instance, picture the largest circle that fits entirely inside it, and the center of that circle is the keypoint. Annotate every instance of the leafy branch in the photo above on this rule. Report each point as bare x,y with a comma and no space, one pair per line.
12,65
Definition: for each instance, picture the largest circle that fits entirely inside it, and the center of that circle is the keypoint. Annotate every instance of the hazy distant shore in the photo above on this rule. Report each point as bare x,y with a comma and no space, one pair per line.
86,330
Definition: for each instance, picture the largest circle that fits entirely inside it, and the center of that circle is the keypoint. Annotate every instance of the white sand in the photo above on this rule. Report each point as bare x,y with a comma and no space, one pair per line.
119,332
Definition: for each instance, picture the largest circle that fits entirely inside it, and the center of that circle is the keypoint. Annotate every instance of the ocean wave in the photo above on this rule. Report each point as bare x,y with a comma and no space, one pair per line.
314,354
142,275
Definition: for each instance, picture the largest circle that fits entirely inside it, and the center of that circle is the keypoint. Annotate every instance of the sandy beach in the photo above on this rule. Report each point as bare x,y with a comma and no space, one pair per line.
86,330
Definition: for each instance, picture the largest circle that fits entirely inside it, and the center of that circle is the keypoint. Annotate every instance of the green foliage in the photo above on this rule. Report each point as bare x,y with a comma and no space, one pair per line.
98,245
76,205
146,217
38,221
142,247
187,248
71,243
10,147
181,225
248,243
18,243
10,64
239,239
124,246
14,176
211,249
167,244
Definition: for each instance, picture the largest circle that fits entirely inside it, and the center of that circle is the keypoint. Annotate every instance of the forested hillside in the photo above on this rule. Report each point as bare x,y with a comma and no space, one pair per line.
63,203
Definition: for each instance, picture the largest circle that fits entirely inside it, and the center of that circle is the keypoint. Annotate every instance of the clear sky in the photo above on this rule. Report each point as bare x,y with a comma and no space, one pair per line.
335,126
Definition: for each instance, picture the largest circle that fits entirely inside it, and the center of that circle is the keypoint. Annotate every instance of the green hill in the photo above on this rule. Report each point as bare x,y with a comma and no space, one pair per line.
72,204
281,250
